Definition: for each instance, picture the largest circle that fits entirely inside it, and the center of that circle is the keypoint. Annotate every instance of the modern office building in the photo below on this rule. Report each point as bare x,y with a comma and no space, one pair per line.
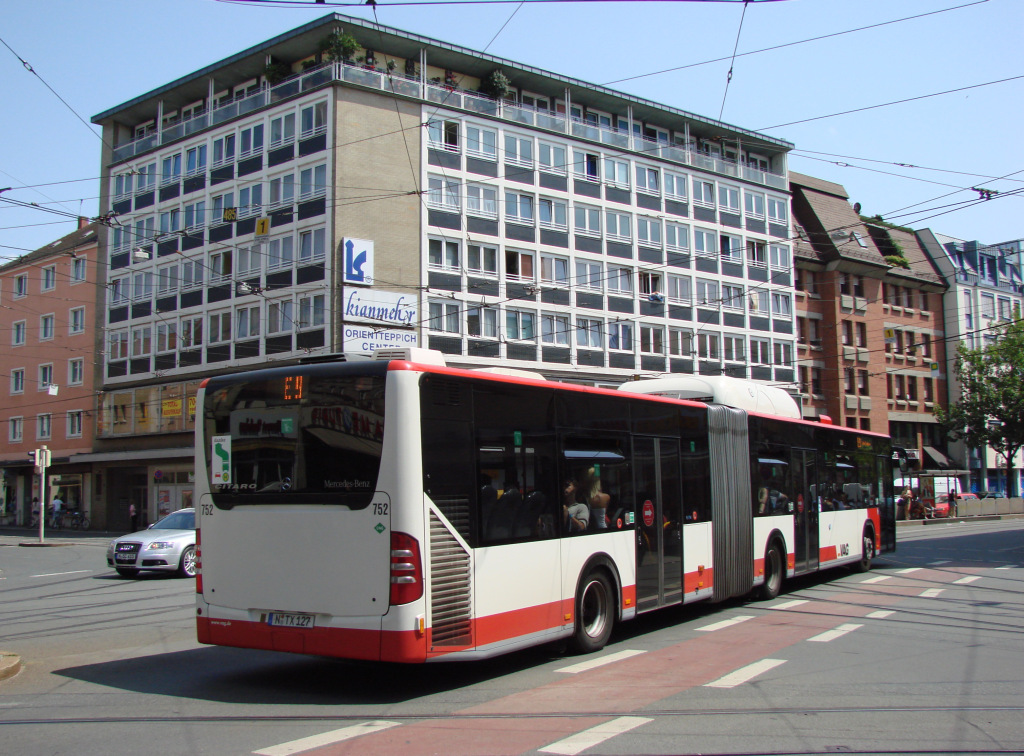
985,292
287,203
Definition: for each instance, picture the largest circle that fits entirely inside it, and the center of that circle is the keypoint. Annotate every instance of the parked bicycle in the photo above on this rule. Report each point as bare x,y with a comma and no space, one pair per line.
76,520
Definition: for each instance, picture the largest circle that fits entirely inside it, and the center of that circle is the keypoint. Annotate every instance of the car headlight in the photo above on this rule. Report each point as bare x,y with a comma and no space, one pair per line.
160,545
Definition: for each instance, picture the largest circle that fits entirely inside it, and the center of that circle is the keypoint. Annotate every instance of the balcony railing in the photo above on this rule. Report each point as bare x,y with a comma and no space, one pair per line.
450,97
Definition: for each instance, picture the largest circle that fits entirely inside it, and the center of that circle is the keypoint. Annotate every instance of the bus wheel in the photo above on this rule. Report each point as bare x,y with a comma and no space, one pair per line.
774,569
867,550
595,613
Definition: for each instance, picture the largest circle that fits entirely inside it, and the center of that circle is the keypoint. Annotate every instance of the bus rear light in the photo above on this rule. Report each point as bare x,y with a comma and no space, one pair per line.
406,569
199,561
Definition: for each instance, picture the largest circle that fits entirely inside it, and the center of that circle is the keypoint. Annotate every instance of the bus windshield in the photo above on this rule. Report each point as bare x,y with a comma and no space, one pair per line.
295,437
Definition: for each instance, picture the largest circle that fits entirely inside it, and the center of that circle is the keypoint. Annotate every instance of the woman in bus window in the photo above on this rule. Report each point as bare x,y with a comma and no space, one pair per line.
595,497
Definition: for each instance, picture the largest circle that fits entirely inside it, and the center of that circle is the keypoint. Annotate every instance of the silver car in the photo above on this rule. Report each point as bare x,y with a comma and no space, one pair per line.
168,545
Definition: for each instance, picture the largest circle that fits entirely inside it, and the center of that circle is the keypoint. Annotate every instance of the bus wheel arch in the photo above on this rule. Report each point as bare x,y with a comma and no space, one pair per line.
774,567
596,605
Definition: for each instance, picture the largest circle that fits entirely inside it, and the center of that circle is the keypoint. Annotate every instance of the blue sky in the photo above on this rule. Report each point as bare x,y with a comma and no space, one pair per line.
96,55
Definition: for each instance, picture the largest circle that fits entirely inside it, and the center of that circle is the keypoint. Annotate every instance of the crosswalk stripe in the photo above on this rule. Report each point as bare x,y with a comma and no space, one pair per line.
724,624
831,635
581,741
599,662
326,738
744,674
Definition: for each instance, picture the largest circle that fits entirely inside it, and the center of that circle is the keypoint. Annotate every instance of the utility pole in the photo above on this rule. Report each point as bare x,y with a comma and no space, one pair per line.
42,460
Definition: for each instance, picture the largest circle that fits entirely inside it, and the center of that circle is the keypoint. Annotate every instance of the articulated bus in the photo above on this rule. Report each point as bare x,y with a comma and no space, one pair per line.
400,510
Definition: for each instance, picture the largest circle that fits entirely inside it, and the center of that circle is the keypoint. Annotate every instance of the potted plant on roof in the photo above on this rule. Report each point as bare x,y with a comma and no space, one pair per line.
339,45
497,85
276,71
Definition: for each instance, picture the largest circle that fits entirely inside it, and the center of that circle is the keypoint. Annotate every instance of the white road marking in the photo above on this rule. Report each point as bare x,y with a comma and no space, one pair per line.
326,738
932,592
725,623
56,574
744,674
599,662
908,571
876,579
831,635
936,564
881,614
1005,567
966,580
581,741
788,605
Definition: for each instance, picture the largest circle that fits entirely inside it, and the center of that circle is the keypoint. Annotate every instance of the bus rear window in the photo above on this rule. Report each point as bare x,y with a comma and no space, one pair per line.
297,438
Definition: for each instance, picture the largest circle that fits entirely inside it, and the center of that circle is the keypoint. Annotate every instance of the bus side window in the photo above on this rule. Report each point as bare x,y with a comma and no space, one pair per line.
517,486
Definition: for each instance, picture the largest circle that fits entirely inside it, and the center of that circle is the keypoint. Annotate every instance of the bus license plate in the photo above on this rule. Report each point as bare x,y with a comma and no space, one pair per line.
289,619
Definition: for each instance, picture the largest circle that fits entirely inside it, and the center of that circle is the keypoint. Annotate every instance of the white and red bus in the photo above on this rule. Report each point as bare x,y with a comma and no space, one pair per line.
400,510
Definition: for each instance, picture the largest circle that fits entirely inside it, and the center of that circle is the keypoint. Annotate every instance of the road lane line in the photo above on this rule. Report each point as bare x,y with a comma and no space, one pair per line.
936,564
57,574
908,571
600,662
876,579
881,614
831,635
326,738
788,605
745,674
966,580
725,623
932,592
581,741
1005,567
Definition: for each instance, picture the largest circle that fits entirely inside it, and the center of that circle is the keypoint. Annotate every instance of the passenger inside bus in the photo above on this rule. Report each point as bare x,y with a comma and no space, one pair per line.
597,499
574,508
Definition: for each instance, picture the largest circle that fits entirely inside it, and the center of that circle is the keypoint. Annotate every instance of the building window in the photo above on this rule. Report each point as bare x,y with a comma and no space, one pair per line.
192,332
553,214
313,181
252,139
552,158
620,281
46,327
588,220
518,150
616,172
677,237
312,245
223,150
862,382
443,135
220,327
647,179
862,334
730,247
248,261
675,186
679,289
166,337
680,342
707,292
648,231
703,193
783,353
554,329
585,165
44,426
170,169
443,193
250,201
705,243
76,371
45,377
760,351
49,278
649,284
142,343
757,254
753,204
588,333
444,317
74,424
732,297
16,430
18,381
247,322
282,190
481,259
620,337
280,253
280,316
519,324
519,208
734,348
480,143
117,346
779,257
77,320
482,322
443,254
20,286
78,270
519,266
482,200
142,285
729,198
554,270
777,211
195,160
652,339
707,346
220,266
781,305
588,275
170,221
619,225
313,119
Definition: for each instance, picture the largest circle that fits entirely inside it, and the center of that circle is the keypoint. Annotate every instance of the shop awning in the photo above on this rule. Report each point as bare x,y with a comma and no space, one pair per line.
140,455
938,457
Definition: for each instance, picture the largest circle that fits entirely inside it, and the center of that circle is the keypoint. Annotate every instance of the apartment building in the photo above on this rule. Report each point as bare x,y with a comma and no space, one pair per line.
985,291
380,198
48,316
871,340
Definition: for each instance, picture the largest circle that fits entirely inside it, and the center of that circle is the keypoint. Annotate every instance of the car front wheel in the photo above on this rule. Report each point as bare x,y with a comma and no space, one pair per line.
187,565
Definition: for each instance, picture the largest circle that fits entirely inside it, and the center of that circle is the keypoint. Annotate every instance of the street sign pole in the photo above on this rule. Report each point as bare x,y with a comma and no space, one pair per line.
42,462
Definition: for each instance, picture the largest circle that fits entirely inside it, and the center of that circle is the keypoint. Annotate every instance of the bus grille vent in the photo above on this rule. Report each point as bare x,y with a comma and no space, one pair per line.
450,588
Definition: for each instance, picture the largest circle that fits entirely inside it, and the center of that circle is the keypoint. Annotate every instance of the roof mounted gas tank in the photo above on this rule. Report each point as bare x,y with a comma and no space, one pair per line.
720,389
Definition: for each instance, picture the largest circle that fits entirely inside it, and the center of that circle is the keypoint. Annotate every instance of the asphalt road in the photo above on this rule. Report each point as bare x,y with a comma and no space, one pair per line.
922,655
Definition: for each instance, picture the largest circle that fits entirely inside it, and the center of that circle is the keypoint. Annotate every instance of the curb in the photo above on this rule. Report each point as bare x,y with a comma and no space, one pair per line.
37,545
10,665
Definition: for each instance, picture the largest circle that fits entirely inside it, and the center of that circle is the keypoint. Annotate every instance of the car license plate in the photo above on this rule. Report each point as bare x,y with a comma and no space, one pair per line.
289,619
124,557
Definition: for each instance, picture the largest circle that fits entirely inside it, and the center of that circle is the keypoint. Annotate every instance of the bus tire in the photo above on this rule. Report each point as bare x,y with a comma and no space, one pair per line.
595,613
774,570
867,549
187,565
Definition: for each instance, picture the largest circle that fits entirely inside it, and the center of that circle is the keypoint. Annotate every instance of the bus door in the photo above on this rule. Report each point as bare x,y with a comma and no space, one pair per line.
659,529
805,514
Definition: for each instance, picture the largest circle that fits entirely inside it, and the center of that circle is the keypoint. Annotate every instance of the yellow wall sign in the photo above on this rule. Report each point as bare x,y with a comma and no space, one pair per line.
170,408
262,226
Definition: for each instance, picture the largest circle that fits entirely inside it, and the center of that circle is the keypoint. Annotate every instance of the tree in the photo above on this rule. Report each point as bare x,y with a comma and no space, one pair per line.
990,411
